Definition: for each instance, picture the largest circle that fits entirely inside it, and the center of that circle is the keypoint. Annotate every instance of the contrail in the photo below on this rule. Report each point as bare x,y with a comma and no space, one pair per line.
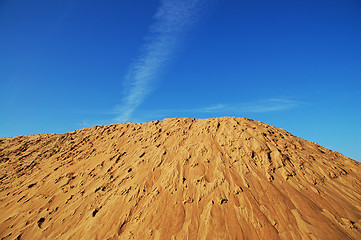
173,20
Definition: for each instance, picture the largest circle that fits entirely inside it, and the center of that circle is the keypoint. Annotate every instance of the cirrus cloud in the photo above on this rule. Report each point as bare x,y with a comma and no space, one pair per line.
172,22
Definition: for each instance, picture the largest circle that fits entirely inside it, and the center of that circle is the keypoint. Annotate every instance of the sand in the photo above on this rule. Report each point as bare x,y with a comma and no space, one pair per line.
220,178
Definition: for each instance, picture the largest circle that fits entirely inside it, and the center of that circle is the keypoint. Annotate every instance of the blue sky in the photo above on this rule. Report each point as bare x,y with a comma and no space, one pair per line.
68,64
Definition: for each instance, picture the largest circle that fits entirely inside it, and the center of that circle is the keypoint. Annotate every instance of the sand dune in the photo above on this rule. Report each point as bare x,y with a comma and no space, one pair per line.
221,178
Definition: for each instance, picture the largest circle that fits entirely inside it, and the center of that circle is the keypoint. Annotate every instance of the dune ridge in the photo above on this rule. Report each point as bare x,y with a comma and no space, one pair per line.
180,178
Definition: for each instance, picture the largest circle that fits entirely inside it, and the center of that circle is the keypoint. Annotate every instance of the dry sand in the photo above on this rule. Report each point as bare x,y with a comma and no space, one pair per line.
221,178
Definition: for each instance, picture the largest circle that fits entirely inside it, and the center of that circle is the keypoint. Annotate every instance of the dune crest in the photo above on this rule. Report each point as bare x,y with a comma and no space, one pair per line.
220,178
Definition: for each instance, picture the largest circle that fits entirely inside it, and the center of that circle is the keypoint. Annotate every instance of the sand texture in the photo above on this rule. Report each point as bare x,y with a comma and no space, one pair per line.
181,178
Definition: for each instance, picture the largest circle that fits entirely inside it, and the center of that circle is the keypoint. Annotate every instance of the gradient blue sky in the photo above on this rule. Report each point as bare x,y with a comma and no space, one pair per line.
68,64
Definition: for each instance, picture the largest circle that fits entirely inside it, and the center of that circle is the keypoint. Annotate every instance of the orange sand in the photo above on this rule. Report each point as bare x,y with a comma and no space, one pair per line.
221,178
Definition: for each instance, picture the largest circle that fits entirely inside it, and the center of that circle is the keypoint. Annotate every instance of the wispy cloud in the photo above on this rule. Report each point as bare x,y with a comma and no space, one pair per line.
268,105
264,106
173,20
259,106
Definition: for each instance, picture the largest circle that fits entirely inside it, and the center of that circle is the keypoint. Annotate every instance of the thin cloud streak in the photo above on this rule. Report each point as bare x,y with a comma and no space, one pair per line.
261,106
236,109
269,105
173,20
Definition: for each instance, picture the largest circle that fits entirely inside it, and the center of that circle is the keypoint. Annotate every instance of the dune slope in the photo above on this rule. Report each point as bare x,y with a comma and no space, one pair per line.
221,178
